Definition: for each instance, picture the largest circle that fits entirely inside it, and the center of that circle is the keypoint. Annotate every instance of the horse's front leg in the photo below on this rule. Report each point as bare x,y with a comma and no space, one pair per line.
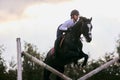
81,55
85,59
75,63
60,69
46,74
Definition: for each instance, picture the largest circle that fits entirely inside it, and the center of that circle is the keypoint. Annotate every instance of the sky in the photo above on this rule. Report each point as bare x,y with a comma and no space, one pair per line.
36,22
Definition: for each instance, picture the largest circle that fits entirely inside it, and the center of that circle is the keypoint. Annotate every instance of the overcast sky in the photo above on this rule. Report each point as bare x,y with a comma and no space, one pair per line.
36,21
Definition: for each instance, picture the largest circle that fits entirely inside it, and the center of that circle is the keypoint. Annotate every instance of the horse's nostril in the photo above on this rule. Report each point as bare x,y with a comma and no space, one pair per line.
89,39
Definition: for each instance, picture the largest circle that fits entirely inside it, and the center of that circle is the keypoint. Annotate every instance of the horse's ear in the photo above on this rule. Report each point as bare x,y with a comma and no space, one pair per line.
91,19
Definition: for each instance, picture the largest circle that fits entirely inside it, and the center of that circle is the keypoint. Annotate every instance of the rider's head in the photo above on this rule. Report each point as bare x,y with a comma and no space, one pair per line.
74,14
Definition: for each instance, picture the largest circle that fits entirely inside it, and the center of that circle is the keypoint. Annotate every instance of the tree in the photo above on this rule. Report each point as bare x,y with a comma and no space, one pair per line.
32,71
2,65
118,46
12,72
111,73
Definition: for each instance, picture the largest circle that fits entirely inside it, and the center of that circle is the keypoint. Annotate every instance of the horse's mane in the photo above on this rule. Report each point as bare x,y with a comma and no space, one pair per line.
83,19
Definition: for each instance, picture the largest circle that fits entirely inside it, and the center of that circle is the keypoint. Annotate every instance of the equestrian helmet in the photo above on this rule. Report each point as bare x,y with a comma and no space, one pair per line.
74,12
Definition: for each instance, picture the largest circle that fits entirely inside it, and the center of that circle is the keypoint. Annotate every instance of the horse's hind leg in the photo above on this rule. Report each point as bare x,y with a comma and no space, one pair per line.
46,75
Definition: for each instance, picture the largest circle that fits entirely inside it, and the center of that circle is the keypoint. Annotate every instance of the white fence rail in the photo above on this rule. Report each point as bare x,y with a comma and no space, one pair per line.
104,66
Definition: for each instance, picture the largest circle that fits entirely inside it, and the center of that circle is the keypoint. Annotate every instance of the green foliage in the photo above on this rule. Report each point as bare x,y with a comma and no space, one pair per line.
32,71
12,74
118,46
111,73
2,66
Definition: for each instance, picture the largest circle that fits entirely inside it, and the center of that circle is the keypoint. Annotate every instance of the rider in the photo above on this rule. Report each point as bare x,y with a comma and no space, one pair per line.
66,26
69,23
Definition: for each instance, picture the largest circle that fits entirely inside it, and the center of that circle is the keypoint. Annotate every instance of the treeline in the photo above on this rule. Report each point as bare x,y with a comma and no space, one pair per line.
32,71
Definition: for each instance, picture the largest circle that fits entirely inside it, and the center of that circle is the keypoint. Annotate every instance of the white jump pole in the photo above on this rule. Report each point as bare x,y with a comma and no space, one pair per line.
37,61
19,61
99,69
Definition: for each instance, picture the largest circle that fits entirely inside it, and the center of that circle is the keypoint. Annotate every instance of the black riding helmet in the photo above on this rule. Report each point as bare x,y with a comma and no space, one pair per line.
74,12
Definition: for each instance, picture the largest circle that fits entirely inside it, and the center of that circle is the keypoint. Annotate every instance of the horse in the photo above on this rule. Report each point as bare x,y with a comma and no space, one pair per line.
68,48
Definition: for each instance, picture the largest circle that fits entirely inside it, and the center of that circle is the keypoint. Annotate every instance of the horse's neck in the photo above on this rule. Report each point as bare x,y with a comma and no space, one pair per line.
77,30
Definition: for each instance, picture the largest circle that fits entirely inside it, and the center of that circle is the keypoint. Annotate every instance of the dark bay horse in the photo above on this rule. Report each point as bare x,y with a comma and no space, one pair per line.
70,49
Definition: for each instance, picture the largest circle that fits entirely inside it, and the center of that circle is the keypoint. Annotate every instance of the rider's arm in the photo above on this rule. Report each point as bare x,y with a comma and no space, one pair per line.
63,27
67,24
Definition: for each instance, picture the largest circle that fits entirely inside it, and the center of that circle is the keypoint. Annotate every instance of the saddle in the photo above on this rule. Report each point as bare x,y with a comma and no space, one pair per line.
52,51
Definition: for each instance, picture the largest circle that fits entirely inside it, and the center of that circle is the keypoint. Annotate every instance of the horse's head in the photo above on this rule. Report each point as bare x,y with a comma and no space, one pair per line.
86,28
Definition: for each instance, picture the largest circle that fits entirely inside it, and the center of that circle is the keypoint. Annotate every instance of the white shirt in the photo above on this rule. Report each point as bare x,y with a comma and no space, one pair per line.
67,24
